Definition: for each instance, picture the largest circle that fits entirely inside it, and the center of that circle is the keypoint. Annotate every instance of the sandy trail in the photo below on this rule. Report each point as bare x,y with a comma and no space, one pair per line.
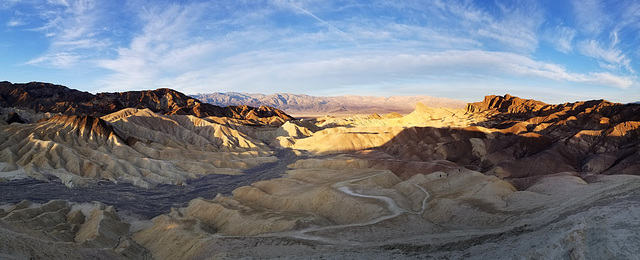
619,191
391,205
424,201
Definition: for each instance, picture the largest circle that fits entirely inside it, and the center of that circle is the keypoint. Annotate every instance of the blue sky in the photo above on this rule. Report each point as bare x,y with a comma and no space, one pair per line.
554,51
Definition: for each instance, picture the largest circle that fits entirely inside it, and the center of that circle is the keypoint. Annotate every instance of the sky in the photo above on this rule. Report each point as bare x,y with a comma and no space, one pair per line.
549,50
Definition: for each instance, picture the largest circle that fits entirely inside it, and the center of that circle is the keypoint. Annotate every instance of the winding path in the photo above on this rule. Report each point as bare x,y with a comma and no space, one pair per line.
393,207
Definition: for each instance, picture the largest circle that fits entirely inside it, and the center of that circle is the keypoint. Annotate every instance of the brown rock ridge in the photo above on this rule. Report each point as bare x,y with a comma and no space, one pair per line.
507,108
46,97
506,104
589,137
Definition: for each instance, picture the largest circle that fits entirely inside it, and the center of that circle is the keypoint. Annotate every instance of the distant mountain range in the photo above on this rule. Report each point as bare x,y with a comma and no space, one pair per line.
300,105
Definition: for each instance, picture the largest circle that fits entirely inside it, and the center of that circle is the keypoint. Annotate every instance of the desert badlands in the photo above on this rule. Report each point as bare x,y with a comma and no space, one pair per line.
160,175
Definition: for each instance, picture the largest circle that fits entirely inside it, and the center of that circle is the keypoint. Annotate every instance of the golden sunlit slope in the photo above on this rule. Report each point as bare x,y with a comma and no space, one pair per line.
136,146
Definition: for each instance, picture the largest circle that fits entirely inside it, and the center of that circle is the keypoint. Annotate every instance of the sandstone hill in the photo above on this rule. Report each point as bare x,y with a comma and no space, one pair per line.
46,97
132,145
299,104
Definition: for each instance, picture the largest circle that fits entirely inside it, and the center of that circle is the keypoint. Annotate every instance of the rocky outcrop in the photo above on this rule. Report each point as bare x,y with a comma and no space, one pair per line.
503,110
14,118
506,104
45,97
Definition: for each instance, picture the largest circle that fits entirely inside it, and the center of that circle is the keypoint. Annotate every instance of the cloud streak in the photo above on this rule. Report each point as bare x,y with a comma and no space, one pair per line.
299,9
612,56
71,26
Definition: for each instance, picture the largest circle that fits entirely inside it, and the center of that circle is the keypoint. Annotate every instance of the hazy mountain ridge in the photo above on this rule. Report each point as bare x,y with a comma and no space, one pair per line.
301,104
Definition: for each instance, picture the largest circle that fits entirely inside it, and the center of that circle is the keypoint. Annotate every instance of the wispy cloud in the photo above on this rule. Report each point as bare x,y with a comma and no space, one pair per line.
613,57
71,26
165,48
589,15
514,27
608,79
561,38
14,22
58,59
170,52
630,15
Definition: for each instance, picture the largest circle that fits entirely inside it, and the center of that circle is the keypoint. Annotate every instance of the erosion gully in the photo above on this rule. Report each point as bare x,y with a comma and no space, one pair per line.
144,203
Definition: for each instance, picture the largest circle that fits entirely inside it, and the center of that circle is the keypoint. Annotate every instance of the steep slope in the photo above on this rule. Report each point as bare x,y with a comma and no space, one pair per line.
44,97
299,104
506,104
591,137
136,146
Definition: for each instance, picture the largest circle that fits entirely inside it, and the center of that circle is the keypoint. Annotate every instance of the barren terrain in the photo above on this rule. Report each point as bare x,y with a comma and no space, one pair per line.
503,178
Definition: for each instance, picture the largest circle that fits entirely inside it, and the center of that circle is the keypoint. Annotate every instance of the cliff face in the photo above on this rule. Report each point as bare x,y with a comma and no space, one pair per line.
507,109
506,104
45,97
587,137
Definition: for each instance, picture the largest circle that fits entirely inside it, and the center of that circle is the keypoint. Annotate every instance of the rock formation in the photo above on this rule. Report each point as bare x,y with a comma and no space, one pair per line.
506,104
